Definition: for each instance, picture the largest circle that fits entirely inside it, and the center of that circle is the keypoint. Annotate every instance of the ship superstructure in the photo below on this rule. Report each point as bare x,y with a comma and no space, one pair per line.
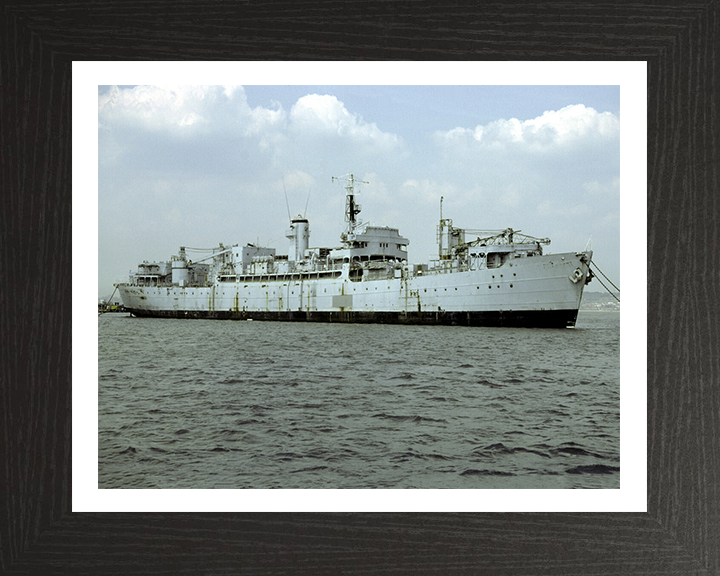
497,279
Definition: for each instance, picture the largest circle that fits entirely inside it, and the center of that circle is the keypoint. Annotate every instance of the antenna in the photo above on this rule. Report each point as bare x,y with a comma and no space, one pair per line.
351,208
287,204
306,204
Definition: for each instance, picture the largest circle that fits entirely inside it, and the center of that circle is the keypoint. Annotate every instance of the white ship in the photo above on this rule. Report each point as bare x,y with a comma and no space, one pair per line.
501,279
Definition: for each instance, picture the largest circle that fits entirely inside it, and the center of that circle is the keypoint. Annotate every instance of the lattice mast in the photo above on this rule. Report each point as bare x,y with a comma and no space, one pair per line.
352,208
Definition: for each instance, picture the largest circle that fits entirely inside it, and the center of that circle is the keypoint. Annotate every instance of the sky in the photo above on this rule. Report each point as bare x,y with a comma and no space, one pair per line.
199,165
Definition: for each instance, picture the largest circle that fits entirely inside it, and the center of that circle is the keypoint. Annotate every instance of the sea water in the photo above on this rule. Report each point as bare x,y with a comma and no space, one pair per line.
242,404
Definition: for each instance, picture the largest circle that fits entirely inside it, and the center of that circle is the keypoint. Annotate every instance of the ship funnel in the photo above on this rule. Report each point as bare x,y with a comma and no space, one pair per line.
299,236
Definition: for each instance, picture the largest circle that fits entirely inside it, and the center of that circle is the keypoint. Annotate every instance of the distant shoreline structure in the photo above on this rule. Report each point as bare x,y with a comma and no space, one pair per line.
599,301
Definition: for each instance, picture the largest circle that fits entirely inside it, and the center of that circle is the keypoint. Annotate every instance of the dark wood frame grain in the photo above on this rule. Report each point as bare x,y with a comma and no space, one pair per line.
680,532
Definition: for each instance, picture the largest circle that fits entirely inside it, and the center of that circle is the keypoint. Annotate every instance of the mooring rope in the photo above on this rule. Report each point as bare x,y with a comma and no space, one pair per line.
606,278
597,269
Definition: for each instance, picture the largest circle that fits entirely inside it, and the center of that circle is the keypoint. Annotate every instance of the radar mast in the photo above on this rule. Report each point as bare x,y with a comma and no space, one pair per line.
352,209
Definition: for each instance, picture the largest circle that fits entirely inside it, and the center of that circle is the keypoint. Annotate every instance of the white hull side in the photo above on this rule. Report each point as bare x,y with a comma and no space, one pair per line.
540,283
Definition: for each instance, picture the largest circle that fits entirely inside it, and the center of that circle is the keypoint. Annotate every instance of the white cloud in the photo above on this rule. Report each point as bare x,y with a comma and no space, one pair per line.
194,165
574,122
560,154
327,116
187,110
266,119
553,129
213,128
154,107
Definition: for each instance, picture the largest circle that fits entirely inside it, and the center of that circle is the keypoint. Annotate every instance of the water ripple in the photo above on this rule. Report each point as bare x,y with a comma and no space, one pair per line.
204,404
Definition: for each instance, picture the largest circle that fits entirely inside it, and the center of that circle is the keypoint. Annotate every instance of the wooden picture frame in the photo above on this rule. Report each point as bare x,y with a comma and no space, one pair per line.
678,535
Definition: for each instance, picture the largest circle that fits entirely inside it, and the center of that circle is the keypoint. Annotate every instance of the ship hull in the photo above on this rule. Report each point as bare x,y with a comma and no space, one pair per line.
528,292
519,319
